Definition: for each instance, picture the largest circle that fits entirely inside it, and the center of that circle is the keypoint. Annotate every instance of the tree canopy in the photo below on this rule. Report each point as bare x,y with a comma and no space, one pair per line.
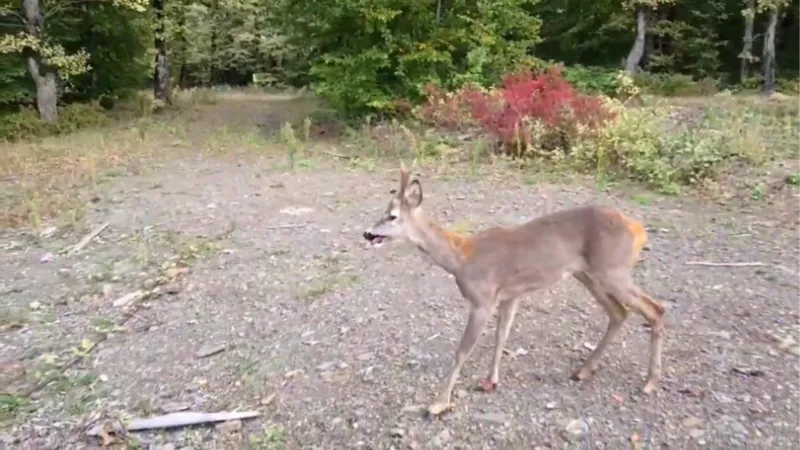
377,55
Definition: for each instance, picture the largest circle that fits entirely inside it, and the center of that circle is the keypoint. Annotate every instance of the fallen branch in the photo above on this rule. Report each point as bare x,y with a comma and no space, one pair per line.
337,155
730,264
286,226
86,239
179,419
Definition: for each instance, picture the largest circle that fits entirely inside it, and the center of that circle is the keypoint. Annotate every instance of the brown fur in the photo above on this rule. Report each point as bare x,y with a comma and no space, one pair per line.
463,244
493,268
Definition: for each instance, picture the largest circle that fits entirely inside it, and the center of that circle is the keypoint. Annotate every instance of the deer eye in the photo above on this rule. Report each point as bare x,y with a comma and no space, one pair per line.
392,217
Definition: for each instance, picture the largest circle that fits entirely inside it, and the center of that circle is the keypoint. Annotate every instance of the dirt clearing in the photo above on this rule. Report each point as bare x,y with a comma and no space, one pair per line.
258,292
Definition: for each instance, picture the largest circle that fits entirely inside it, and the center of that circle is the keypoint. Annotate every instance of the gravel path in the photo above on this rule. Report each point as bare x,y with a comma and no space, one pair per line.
340,345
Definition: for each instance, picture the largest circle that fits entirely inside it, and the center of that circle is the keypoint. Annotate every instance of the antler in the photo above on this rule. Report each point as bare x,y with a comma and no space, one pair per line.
405,174
405,177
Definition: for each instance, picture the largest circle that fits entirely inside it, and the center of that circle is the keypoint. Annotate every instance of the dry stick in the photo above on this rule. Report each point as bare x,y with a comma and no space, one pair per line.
286,226
731,264
86,239
337,155
180,419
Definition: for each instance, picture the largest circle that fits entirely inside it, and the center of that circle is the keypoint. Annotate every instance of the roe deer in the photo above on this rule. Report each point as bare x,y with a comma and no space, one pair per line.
493,268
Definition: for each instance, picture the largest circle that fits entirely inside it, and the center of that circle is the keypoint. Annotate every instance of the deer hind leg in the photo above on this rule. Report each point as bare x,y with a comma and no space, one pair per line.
505,312
617,314
620,285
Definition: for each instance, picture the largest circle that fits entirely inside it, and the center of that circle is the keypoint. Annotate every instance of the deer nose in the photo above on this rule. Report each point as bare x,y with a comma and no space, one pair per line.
368,236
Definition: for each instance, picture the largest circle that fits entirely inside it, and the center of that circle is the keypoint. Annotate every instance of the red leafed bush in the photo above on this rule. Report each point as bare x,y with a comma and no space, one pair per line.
525,110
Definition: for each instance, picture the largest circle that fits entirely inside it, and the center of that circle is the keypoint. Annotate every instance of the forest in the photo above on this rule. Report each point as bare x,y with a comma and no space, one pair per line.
375,56
189,190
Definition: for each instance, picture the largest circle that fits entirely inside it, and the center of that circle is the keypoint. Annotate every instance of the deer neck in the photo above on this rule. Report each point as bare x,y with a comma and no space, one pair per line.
447,249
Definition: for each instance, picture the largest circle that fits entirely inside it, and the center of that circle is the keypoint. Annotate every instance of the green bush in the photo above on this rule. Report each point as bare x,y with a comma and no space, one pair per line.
654,146
593,80
26,124
373,52
675,85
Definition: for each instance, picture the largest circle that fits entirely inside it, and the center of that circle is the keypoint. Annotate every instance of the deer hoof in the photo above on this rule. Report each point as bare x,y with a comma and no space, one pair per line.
650,387
439,408
584,373
487,385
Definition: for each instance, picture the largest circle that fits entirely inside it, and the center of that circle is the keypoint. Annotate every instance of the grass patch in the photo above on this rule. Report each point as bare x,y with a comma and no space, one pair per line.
13,405
14,318
669,145
272,437
332,277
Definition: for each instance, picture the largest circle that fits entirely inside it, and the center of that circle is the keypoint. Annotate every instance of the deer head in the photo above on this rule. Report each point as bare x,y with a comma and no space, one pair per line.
397,221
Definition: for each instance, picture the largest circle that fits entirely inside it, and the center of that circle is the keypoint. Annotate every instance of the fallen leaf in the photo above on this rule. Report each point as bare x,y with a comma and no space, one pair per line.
692,422
636,442
618,399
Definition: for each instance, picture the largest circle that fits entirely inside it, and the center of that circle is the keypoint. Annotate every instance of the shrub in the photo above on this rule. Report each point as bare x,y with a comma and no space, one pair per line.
391,50
675,85
26,124
531,114
667,147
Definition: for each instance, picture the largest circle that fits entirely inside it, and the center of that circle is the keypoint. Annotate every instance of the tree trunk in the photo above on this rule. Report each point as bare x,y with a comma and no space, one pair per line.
44,75
635,56
162,84
768,64
747,48
46,90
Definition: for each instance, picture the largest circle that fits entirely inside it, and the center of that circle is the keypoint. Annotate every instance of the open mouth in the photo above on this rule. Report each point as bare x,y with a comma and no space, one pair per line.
375,239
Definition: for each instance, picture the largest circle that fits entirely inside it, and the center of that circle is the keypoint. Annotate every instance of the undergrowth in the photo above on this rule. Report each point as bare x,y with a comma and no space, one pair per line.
664,145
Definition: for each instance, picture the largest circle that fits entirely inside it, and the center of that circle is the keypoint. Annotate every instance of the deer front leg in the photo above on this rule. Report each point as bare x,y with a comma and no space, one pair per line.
477,321
506,312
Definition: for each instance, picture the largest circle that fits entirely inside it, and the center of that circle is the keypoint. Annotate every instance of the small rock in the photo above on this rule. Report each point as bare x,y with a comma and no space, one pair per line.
787,342
326,366
722,398
397,432
551,405
576,429
231,426
365,356
740,429
34,305
692,422
209,350
721,334
696,433
795,350
413,409
169,408
268,399
47,257
461,393
492,417
167,446
296,211
172,288
441,439
128,298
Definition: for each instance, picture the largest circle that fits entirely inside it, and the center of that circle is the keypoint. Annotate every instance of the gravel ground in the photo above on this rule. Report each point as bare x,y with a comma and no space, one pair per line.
340,345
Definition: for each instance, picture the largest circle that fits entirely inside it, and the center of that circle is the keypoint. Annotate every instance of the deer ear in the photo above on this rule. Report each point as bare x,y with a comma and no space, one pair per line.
413,195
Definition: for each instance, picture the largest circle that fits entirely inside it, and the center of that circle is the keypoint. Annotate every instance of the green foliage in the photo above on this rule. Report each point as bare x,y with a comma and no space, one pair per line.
26,124
228,42
15,84
119,43
667,147
366,54
675,85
